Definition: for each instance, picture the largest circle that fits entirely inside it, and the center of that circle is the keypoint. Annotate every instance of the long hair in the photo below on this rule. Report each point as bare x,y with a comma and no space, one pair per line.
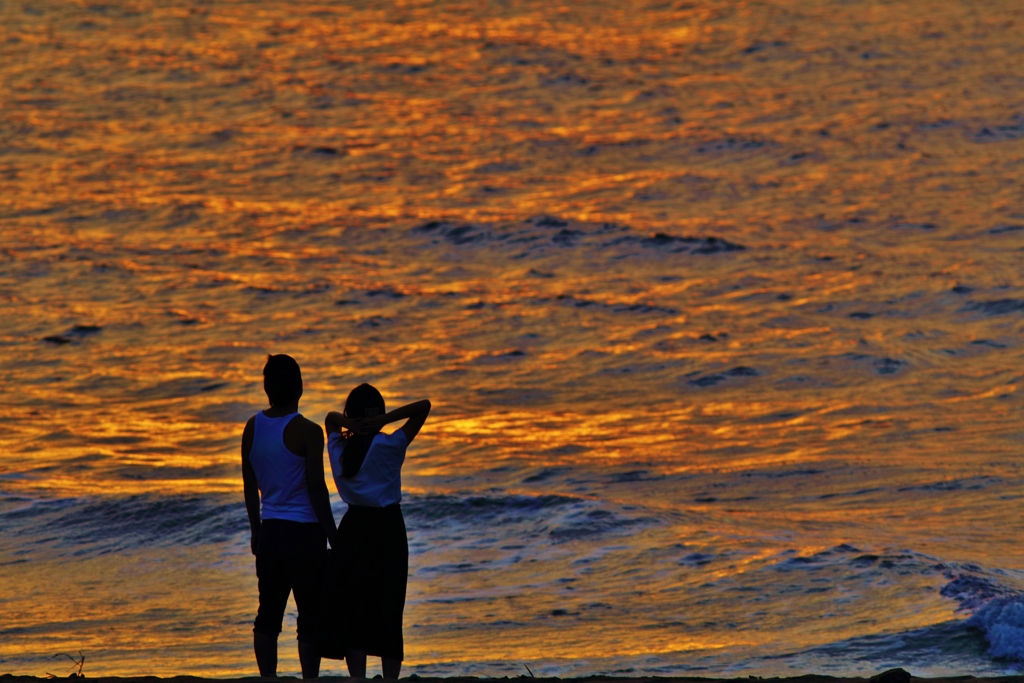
363,401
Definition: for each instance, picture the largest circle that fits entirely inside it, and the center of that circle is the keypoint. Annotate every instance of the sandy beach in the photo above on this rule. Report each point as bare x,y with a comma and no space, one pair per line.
810,678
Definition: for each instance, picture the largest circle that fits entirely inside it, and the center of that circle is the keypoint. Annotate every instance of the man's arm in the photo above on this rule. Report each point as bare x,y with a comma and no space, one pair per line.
252,489
318,496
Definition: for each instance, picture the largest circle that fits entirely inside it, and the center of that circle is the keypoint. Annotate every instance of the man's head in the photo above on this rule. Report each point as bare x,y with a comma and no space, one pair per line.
282,380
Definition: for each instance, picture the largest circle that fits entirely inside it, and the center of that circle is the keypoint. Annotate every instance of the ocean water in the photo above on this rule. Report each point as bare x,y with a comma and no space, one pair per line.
719,304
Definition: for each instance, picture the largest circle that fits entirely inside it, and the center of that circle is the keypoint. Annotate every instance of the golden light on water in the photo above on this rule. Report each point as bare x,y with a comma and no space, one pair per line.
185,187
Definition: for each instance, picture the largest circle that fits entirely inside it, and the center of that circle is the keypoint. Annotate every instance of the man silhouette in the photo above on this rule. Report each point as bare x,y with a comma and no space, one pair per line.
289,514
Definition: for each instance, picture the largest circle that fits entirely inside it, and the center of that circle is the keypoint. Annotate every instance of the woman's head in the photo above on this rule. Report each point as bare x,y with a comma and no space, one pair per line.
364,401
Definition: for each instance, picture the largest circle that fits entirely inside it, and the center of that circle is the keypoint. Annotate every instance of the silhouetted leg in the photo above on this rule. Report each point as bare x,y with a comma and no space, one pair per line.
265,647
274,589
306,565
309,658
356,660
391,668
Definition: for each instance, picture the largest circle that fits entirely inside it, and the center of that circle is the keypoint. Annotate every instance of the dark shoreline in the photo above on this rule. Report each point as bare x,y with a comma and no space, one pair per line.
807,678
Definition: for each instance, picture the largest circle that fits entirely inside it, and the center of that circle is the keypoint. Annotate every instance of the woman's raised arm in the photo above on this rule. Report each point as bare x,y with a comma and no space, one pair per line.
415,414
335,421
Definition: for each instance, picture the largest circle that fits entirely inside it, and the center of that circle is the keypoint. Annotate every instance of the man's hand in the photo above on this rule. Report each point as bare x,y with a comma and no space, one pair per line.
254,541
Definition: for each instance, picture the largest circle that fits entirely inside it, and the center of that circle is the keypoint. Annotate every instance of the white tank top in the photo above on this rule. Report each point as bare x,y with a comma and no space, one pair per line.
280,474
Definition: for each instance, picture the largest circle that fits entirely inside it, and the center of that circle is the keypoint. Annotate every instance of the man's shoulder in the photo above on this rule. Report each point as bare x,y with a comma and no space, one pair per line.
308,426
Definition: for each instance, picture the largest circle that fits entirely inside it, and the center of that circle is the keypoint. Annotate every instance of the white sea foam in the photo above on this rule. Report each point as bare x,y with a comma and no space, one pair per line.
1002,621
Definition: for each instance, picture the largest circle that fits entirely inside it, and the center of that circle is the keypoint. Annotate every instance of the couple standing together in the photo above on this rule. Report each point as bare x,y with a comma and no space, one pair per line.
350,602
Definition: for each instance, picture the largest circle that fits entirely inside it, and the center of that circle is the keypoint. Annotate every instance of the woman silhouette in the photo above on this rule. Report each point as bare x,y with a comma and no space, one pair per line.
369,577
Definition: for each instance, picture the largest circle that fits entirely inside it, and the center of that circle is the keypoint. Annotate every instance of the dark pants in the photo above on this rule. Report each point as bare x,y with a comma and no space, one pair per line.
291,558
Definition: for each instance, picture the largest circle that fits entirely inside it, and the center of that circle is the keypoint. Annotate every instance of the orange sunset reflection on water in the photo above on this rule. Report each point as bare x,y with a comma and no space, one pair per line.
700,291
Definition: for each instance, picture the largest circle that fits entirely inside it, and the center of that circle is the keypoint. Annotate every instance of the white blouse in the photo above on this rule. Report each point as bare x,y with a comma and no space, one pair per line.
379,481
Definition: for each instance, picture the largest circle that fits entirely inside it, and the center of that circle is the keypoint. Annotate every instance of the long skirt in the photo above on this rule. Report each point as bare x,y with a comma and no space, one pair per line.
365,593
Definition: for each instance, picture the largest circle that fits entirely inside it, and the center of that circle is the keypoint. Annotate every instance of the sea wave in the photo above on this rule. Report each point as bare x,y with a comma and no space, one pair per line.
990,640
997,611
540,235
90,526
